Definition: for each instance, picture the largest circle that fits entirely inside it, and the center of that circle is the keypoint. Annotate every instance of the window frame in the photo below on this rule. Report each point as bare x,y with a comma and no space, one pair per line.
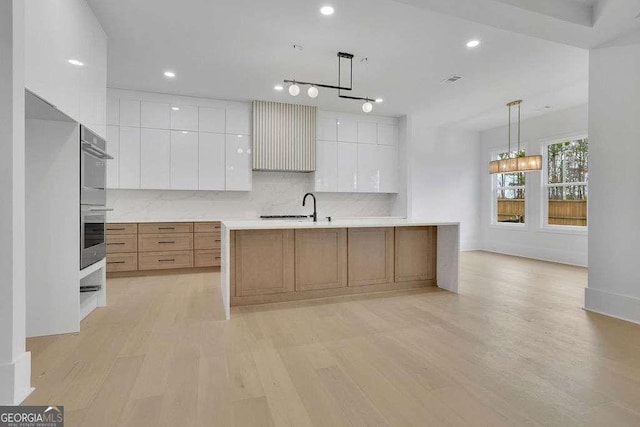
544,190
494,154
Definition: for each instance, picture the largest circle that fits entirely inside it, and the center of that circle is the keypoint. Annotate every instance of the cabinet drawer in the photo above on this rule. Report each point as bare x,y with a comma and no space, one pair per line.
122,262
206,227
165,242
165,227
206,241
207,258
162,260
118,228
122,243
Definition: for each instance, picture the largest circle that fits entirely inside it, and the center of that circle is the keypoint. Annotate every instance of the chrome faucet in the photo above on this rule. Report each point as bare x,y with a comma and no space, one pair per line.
315,212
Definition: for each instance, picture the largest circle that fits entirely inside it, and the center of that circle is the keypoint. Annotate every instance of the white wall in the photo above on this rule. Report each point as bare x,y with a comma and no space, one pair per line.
442,183
614,131
274,193
15,363
532,241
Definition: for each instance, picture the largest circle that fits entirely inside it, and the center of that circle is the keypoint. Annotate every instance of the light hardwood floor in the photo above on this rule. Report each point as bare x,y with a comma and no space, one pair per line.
513,348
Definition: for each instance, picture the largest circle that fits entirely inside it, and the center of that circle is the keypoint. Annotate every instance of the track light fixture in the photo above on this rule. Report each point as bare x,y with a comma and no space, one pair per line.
367,107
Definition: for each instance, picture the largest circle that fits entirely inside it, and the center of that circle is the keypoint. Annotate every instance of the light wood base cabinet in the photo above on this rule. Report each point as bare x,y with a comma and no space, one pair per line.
122,262
321,259
415,253
264,262
371,256
165,260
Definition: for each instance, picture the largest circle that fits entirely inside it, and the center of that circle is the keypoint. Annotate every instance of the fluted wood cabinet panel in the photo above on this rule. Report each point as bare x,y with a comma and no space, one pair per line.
415,253
284,137
321,259
370,255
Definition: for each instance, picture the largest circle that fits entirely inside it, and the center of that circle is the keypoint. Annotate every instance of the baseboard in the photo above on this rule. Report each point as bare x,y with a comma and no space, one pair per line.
15,380
555,256
621,307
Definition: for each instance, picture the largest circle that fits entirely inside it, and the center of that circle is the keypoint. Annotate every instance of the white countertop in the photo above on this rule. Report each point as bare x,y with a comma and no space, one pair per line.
338,223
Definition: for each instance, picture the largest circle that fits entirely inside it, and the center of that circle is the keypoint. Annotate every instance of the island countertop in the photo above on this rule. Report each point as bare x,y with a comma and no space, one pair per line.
337,223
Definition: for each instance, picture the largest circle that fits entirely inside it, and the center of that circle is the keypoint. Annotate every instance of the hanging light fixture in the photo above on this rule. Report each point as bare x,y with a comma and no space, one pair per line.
294,89
517,163
312,92
367,107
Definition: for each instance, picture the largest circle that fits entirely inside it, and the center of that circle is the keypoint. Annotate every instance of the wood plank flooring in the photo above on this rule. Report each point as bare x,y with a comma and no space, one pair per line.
514,348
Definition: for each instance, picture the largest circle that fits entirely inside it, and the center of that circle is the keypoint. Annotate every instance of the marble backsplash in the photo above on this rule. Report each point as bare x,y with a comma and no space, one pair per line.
274,193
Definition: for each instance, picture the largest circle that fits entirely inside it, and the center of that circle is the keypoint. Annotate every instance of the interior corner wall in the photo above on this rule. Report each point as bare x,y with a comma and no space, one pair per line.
614,149
533,241
443,169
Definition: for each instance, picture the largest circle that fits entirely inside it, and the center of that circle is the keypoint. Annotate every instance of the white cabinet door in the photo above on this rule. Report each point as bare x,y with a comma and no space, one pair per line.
326,175
388,168
327,129
155,115
347,167
129,157
129,113
113,148
211,120
367,133
368,168
155,154
184,160
113,110
388,135
347,130
238,162
211,161
184,117
238,120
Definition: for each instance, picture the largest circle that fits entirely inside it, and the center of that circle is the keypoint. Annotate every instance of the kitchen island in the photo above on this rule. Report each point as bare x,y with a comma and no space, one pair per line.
273,261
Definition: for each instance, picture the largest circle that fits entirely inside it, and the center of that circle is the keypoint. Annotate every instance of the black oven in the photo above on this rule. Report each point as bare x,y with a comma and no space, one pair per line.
93,246
93,176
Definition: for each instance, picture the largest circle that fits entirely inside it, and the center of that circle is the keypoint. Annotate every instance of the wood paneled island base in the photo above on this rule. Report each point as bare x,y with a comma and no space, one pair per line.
266,262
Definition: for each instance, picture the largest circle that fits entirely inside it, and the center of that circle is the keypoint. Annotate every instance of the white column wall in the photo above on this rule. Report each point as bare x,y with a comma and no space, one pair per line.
614,205
15,362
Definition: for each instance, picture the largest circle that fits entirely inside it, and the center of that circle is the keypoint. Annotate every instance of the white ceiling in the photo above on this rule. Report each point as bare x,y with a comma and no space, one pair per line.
238,49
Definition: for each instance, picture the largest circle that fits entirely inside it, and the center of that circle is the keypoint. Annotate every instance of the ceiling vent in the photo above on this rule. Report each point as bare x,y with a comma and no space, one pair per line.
454,78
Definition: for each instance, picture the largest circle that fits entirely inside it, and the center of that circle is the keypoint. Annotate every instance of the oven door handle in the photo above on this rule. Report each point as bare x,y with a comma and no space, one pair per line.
100,209
92,149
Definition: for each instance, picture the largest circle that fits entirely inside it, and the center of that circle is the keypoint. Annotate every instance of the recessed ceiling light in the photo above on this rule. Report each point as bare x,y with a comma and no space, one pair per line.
473,43
169,74
175,108
379,100
75,62
278,87
326,10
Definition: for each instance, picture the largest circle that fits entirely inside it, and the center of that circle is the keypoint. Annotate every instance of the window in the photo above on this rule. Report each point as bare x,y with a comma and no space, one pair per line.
509,194
567,175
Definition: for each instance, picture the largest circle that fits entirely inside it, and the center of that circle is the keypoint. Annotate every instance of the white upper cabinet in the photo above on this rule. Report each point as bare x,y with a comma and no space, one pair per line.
113,148
347,130
129,113
326,175
238,119
347,167
238,162
211,120
327,129
113,110
211,161
368,168
184,160
184,117
388,169
129,157
57,32
155,115
155,159
388,134
367,133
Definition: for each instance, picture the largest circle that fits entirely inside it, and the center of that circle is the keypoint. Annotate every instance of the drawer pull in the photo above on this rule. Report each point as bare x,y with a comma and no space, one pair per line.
115,243
217,240
116,262
217,257
116,229
167,260
166,228
172,241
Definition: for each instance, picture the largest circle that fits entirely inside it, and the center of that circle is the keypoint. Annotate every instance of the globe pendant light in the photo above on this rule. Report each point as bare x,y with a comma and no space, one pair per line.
312,92
367,107
294,90
515,164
